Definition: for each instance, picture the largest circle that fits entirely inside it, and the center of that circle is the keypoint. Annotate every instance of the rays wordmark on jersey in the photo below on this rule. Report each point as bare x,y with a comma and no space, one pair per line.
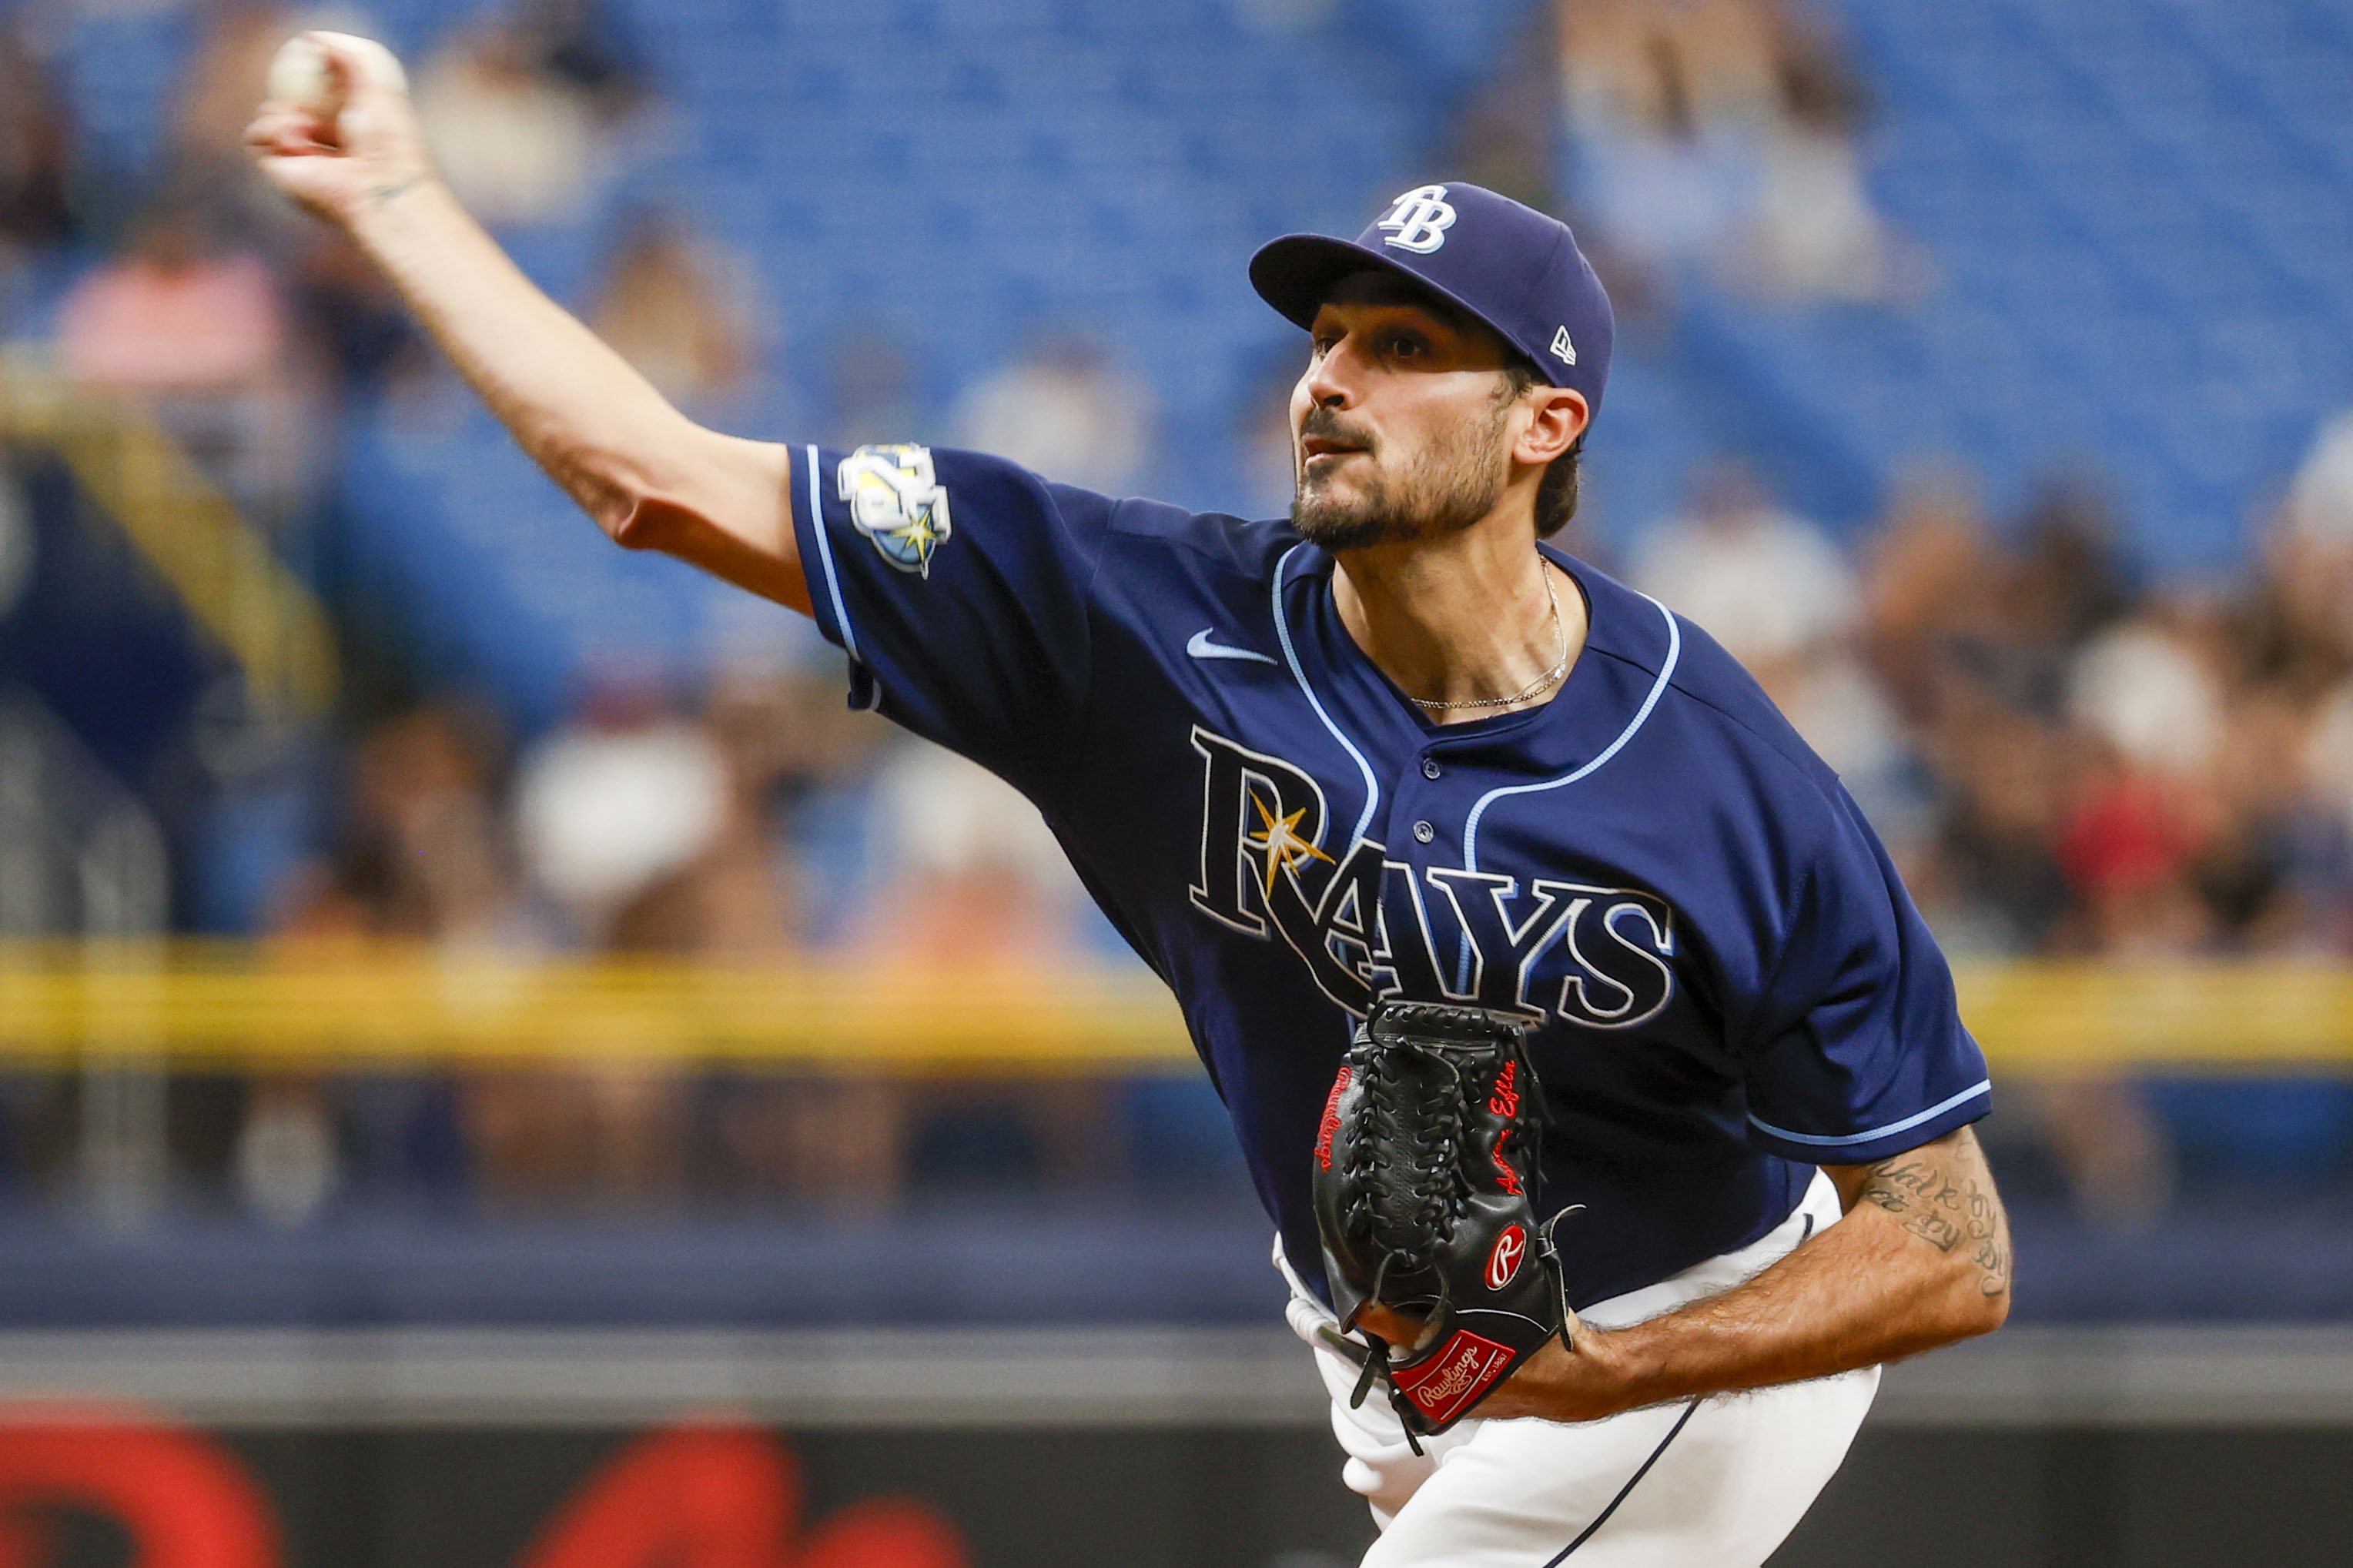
1365,925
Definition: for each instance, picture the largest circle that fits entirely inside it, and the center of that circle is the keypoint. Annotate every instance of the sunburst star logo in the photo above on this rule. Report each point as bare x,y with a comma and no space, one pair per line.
1280,841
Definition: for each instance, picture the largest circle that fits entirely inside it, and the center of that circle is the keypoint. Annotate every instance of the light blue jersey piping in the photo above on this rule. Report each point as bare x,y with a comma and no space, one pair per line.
1848,1141
1290,657
825,559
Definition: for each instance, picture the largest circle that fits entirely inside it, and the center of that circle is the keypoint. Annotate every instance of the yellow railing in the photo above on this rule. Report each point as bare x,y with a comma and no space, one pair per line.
221,567
226,1006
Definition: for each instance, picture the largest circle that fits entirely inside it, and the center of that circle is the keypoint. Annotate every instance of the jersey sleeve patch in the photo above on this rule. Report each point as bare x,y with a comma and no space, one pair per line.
974,633
896,500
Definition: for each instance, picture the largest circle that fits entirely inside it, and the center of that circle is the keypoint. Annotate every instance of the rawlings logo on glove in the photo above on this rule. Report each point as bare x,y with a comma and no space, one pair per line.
1422,1163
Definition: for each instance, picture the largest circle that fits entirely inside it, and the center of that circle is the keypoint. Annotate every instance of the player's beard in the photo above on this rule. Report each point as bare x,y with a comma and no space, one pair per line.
1445,490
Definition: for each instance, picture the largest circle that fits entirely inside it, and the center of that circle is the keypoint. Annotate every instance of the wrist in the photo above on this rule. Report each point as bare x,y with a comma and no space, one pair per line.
380,211
1621,1370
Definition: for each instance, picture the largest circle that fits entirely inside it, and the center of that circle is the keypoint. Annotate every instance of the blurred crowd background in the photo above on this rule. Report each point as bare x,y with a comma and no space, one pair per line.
1986,385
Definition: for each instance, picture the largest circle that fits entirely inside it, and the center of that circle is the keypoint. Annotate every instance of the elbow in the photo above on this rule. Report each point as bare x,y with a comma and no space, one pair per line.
1977,1308
627,503
636,521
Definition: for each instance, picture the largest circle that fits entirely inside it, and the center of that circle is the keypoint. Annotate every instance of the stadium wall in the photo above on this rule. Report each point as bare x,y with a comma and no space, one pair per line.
1058,1448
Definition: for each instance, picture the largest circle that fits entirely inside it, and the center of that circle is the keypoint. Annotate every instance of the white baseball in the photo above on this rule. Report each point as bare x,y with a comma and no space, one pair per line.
298,73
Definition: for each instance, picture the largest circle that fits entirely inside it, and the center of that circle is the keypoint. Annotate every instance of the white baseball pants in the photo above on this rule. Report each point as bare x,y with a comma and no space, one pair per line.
1708,1483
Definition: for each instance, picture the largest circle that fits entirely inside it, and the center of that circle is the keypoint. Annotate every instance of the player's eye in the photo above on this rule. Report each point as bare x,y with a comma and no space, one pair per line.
1405,345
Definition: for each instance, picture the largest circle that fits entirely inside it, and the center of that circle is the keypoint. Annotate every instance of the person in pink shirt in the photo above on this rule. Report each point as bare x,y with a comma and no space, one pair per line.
197,336
174,313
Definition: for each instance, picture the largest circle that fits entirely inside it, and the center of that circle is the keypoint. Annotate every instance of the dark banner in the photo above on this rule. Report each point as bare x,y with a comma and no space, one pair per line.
110,1488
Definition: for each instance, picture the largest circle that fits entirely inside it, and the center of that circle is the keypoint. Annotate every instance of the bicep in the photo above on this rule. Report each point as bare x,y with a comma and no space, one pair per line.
724,504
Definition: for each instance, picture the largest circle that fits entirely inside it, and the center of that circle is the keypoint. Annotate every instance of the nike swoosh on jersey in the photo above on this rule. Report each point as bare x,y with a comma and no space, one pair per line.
1202,647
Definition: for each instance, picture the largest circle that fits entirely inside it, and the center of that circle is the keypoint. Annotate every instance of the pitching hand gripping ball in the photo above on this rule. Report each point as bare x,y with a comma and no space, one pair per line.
298,73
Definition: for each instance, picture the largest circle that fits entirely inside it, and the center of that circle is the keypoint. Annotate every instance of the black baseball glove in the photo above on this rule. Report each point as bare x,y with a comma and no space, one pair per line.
1422,1167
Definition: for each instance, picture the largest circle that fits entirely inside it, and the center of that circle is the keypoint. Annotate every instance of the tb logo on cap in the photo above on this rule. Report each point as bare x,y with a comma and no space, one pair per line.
1419,220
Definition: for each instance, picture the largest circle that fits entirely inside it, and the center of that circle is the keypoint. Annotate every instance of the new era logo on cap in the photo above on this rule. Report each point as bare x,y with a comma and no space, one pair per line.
1512,267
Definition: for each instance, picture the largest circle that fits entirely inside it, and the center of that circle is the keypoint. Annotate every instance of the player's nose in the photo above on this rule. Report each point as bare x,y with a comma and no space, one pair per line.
1331,378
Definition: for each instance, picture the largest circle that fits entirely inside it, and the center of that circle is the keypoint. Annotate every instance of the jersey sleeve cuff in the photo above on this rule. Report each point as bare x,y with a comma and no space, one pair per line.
1877,1143
829,605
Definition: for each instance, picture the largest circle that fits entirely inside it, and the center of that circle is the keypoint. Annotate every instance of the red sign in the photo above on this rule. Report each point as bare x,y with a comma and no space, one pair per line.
715,1495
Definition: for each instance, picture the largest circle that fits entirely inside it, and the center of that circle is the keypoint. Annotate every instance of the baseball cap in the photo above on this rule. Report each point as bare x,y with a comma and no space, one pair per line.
1511,266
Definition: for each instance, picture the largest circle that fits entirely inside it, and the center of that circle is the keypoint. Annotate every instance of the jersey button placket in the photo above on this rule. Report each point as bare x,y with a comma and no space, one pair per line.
1430,768
1423,832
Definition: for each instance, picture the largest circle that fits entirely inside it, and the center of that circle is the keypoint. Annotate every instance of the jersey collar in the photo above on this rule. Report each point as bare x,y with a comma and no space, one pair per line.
1609,691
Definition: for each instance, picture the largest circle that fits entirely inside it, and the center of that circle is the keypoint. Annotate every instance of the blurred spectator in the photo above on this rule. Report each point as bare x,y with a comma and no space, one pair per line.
1064,412
631,823
2294,626
513,141
1816,234
2321,841
1834,699
1664,185
975,878
2065,584
36,149
2149,693
2297,625
1978,645
735,899
177,311
1931,594
285,1160
194,330
1767,585
587,46
1721,130
681,312
220,86
1732,55
2149,689
2272,869
2320,501
2008,779
626,794
1663,97
352,318
423,852
1782,599
1505,137
1647,64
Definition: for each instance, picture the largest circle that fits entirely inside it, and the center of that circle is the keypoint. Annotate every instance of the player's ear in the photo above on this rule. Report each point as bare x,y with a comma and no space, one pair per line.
1559,415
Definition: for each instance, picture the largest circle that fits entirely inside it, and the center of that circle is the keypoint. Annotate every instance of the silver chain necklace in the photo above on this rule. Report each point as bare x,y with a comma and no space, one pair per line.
1559,667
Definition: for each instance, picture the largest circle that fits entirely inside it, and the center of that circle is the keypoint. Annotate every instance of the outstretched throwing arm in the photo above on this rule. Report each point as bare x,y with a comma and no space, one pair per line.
651,478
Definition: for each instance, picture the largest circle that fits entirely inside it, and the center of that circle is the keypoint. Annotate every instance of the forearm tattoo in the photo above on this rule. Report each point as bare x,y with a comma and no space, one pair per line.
1950,1210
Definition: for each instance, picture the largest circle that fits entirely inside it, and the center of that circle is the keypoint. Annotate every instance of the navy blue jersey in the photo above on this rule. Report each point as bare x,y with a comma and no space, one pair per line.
1730,980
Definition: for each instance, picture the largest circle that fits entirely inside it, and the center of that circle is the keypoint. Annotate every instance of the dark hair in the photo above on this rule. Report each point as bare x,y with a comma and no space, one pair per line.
1556,497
